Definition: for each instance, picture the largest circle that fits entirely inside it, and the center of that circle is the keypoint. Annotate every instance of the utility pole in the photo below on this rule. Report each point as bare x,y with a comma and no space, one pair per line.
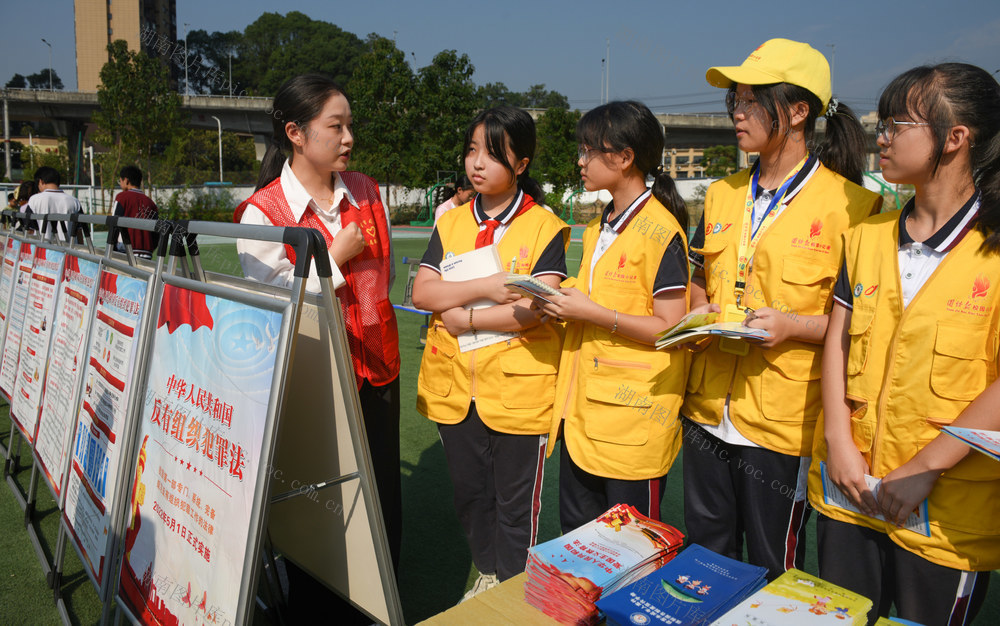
50,62
833,62
187,92
219,122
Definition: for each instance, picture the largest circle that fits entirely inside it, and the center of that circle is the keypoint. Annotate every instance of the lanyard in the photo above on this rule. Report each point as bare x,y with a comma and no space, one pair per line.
750,236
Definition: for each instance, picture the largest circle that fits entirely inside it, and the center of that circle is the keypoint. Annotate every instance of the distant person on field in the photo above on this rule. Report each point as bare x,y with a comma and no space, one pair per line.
11,201
131,202
24,191
463,194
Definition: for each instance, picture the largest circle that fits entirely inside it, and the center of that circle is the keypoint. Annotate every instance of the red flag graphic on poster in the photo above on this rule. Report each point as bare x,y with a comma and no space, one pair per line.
109,283
183,306
72,264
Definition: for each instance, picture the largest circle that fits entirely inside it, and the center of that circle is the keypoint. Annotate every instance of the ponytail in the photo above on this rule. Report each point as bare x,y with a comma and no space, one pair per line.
299,100
665,190
845,144
530,186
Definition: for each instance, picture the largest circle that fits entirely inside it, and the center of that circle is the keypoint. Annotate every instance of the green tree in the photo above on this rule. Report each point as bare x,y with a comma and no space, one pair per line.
17,81
538,97
447,103
495,94
192,157
719,161
40,80
383,99
556,155
208,61
137,111
276,47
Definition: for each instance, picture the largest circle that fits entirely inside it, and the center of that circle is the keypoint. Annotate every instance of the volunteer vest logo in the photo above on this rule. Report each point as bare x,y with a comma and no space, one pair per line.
975,304
813,241
523,262
860,290
620,275
716,228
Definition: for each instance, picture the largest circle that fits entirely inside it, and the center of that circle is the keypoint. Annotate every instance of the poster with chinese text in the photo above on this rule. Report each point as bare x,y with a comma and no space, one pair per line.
66,365
96,446
200,440
43,284
12,249
15,323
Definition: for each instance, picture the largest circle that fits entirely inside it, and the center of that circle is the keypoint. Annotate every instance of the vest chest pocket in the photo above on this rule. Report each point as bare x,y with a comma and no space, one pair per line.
860,331
805,287
958,367
436,368
716,276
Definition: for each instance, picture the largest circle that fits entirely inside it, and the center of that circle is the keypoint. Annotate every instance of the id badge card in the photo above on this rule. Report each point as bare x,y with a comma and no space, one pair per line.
733,313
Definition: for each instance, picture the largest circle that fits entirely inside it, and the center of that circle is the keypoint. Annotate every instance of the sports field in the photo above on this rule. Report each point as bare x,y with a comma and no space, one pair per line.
436,568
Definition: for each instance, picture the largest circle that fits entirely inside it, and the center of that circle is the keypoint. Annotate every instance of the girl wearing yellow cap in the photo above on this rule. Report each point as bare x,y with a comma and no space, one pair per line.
912,345
767,252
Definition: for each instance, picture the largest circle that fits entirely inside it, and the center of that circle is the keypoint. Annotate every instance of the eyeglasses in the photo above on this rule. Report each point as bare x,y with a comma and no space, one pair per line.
584,155
887,128
734,102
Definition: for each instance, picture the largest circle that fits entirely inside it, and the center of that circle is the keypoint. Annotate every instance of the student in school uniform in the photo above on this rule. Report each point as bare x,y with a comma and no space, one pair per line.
767,252
493,404
618,397
312,187
463,193
912,346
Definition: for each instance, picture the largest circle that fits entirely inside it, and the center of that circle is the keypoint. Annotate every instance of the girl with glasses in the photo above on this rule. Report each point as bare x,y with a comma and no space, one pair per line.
767,253
618,397
912,345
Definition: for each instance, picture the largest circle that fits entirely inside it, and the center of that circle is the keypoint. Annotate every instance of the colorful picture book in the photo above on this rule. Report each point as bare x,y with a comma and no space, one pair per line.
567,575
833,496
799,599
530,286
985,441
694,326
695,588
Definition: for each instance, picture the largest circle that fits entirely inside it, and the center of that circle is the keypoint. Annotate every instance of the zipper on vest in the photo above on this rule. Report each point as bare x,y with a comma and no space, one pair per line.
616,363
884,395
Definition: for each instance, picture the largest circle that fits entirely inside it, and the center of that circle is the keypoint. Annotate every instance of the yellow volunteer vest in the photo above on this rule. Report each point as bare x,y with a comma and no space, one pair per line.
775,393
618,400
911,371
513,382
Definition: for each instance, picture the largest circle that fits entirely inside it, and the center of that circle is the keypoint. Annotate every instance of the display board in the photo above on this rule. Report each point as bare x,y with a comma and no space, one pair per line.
201,440
15,322
36,333
65,368
96,452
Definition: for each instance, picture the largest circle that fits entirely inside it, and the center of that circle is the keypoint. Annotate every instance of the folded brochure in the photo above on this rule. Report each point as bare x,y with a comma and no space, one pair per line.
695,326
833,496
985,441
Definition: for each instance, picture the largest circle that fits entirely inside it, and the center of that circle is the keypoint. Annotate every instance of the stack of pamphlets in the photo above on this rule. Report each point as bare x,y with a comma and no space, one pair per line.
567,575
695,326
693,589
985,441
798,599
530,286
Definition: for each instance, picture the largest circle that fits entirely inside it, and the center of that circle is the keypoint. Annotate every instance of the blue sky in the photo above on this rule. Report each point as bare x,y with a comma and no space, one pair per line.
659,50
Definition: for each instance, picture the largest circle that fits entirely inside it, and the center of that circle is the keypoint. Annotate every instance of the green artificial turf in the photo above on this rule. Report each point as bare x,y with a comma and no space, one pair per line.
436,567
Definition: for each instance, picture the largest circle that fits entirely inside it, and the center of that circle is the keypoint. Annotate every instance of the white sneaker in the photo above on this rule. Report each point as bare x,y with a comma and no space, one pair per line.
483,583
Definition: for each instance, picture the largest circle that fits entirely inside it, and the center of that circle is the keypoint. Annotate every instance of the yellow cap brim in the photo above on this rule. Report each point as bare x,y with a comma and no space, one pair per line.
725,76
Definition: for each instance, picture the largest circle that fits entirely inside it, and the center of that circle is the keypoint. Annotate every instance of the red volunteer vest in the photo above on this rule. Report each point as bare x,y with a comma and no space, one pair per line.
368,314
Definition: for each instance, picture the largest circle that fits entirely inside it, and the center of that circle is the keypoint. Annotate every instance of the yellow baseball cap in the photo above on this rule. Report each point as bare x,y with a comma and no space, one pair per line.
779,61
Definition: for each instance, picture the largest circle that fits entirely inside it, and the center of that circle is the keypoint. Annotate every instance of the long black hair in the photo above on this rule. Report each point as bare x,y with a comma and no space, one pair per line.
503,127
946,95
300,99
618,125
844,145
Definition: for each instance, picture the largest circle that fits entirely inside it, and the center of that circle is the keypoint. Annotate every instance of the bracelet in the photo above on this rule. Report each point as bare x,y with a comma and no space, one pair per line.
471,327
614,328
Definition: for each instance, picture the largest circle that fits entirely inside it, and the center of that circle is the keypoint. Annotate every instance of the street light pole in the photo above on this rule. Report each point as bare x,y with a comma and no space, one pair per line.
219,122
833,61
50,62
187,92
230,73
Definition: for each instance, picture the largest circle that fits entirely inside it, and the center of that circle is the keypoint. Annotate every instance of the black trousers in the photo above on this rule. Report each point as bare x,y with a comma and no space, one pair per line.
736,493
497,485
868,562
308,599
583,496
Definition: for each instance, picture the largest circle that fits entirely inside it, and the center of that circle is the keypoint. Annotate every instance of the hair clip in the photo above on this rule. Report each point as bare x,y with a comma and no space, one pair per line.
831,108
659,169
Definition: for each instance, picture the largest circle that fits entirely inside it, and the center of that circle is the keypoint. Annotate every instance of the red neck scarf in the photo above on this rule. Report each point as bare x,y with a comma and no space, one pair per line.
485,236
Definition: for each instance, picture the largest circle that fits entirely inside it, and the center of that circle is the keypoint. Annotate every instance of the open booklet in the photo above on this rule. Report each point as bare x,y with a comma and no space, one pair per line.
833,496
478,263
694,326
530,286
985,441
